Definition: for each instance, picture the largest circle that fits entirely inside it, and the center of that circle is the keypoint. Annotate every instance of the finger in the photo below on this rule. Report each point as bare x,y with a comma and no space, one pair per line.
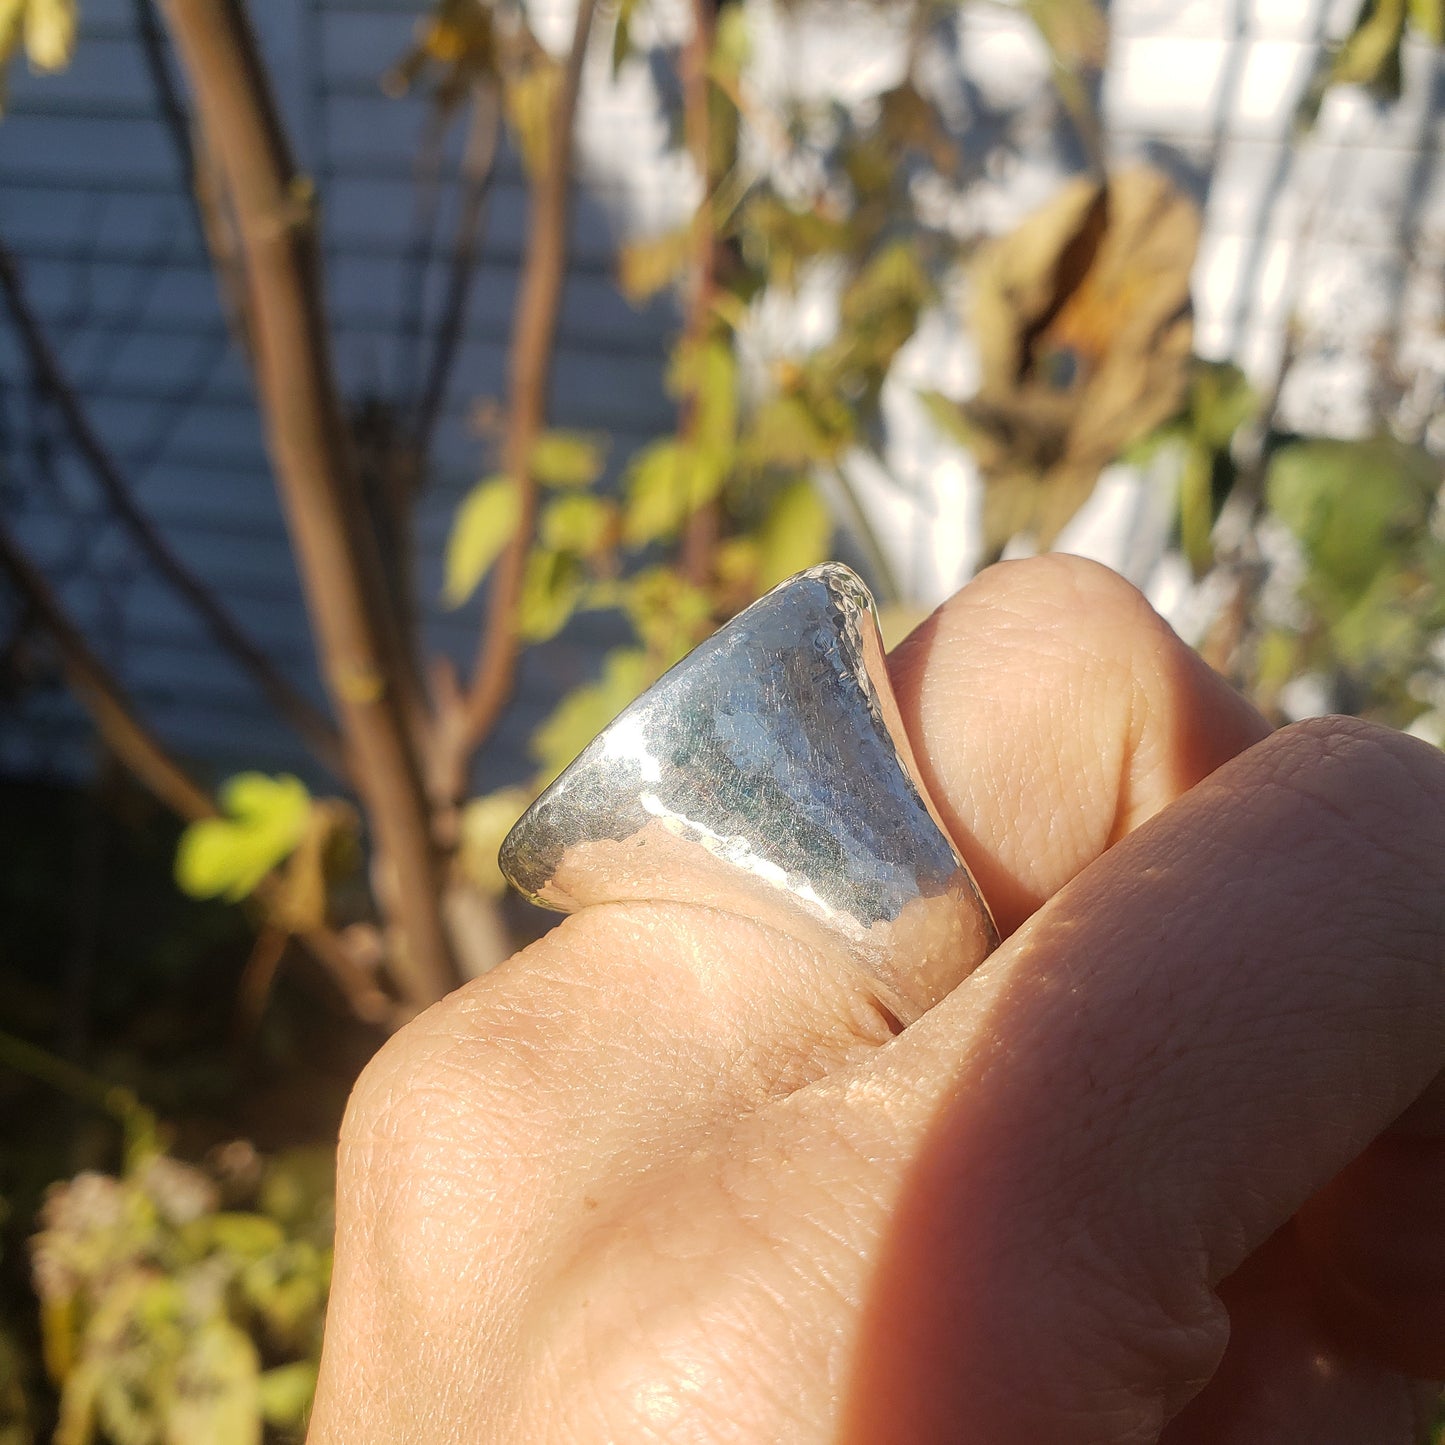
1140,1088
1052,711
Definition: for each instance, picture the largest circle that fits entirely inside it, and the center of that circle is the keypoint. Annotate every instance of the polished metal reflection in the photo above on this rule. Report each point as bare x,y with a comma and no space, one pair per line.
768,774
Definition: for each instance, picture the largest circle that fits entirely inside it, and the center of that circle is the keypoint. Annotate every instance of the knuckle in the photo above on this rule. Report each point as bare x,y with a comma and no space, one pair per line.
1364,772
447,1075
1370,801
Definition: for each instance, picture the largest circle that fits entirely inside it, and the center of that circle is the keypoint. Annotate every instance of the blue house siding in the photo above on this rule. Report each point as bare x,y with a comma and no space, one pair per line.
93,205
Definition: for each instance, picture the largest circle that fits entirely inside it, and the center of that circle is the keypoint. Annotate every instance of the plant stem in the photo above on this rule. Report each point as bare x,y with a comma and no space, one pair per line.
534,334
373,682
140,1125
700,534
142,753
479,169
308,720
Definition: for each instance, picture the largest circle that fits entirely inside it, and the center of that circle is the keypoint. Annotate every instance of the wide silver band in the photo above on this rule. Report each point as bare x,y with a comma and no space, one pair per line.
768,774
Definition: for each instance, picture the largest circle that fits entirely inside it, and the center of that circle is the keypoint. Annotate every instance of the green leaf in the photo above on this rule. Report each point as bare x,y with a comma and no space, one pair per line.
580,524
485,523
1370,54
1196,507
1221,401
227,857
1428,17
949,417
651,264
584,712
666,483
707,376
797,533
552,586
1357,508
216,1394
622,34
566,459
669,614
285,1394
49,33
237,1233
786,434
732,45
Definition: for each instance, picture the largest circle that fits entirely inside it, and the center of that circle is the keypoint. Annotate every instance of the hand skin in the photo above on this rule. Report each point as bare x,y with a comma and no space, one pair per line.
1167,1167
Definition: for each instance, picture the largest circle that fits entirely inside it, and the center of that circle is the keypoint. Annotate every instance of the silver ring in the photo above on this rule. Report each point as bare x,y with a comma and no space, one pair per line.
768,774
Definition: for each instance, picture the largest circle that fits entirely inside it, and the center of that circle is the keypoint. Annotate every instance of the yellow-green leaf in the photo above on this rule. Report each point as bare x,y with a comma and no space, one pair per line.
49,33
706,376
785,433
215,1396
580,524
666,483
486,821
12,17
566,459
732,44
667,612
552,586
484,524
1428,17
622,34
1370,55
796,533
228,856
650,264
585,711
286,1392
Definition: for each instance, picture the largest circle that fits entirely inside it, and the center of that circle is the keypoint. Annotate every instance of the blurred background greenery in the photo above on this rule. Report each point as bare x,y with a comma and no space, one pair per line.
194,965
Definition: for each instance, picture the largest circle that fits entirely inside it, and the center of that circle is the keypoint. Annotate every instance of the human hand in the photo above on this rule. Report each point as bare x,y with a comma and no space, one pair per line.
1167,1167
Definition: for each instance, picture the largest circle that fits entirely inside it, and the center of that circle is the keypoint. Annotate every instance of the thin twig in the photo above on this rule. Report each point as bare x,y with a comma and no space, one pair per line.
534,333
142,753
217,232
479,169
303,715
168,99
416,260
140,1126
371,679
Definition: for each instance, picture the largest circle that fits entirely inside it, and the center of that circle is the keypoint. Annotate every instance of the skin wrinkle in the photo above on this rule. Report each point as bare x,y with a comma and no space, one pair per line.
1244,793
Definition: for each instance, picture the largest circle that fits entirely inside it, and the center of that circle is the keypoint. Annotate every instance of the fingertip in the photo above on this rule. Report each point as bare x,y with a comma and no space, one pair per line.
1053,710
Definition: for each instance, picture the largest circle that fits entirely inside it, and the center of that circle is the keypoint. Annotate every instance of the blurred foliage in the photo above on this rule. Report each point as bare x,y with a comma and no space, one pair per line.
1371,601
186,1304
1370,54
43,30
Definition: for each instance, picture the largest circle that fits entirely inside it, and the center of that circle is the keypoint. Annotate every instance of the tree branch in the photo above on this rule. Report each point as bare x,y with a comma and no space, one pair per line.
534,334
700,534
372,680
303,715
140,751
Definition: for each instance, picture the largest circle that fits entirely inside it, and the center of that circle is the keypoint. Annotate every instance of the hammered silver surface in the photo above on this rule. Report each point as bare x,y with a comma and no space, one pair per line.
768,774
